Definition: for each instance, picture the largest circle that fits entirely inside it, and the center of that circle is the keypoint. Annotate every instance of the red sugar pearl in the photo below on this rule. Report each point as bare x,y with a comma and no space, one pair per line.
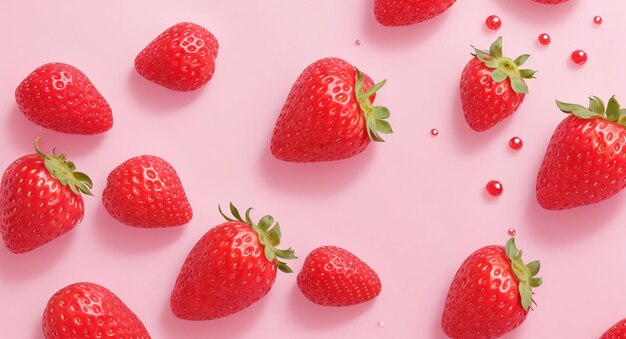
544,39
579,57
494,188
493,23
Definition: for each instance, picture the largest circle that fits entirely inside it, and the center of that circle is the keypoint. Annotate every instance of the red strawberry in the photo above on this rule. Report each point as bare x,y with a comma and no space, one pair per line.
551,2
408,12
329,114
618,331
40,199
586,157
332,276
145,191
231,267
491,293
61,98
182,58
492,87
86,310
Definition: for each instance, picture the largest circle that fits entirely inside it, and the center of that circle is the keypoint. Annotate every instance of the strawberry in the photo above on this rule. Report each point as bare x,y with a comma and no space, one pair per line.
550,2
329,114
408,12
60,97
145,191
617,331
585,160
332,276
182,58
40,199
88,310
490,294
231,267
492,87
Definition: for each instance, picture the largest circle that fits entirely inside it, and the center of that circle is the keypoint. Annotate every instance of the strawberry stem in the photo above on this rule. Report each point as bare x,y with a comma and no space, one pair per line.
64,170
612,112
375,116
525,273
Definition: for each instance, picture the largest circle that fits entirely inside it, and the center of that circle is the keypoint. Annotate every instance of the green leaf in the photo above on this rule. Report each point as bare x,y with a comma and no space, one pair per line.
283,267
266,222
496,48
527,73
521,59
533,267
84,178
274,235
381,112
269,253
483,56
375,88
596,105
613,110
526,295
519,86
285,254
536,282
219,208
71,165
511,249
498,76
383,126
235,212
577,110
248,219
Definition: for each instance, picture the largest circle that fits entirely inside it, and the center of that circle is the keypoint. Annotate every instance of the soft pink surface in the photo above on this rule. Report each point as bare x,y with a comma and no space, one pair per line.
413,208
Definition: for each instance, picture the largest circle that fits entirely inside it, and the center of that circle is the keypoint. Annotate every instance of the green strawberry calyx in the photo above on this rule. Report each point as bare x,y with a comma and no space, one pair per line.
374,115
269,237
525,273
65,171
612,112
504,67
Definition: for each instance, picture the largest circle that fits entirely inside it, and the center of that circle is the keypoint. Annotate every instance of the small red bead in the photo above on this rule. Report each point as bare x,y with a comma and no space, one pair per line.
512,232
493,23
434,132
579,57
358,42
544,39
597,20
494,188
516,143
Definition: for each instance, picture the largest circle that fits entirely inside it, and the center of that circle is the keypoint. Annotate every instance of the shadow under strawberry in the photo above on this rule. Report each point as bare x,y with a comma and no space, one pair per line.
535,12
157,98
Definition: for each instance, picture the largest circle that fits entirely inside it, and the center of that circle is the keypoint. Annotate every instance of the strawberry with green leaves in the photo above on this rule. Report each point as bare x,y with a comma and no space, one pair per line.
585,162
329,114
230,268
492,86
88,310
332,276
40,199
491,293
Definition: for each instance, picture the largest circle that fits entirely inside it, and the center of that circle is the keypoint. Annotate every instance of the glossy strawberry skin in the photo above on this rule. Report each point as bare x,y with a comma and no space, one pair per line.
486,102
617,331
551,2
87,310
332,276
225,272
35,207
60,97
483,300
408,12
584,164
321,119
145,191
182,58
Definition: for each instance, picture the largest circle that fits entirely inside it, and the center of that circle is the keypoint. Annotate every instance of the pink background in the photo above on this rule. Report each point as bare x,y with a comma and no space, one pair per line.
413,208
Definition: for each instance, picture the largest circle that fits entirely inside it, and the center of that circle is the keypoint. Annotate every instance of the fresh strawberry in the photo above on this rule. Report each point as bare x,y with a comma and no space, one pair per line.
145,191
61,98
586,157
230,268
492,87
490,294
617,331
329,114
40,199
87,310
551,2
332,276
408,12
182,58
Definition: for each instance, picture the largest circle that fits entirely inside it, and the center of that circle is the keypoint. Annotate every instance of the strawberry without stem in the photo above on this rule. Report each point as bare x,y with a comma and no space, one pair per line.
60,97
492,87
145,191
408,12
40,200
332,276
617,331
490,294
182,58
231,267
87,310
585,162
329,114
